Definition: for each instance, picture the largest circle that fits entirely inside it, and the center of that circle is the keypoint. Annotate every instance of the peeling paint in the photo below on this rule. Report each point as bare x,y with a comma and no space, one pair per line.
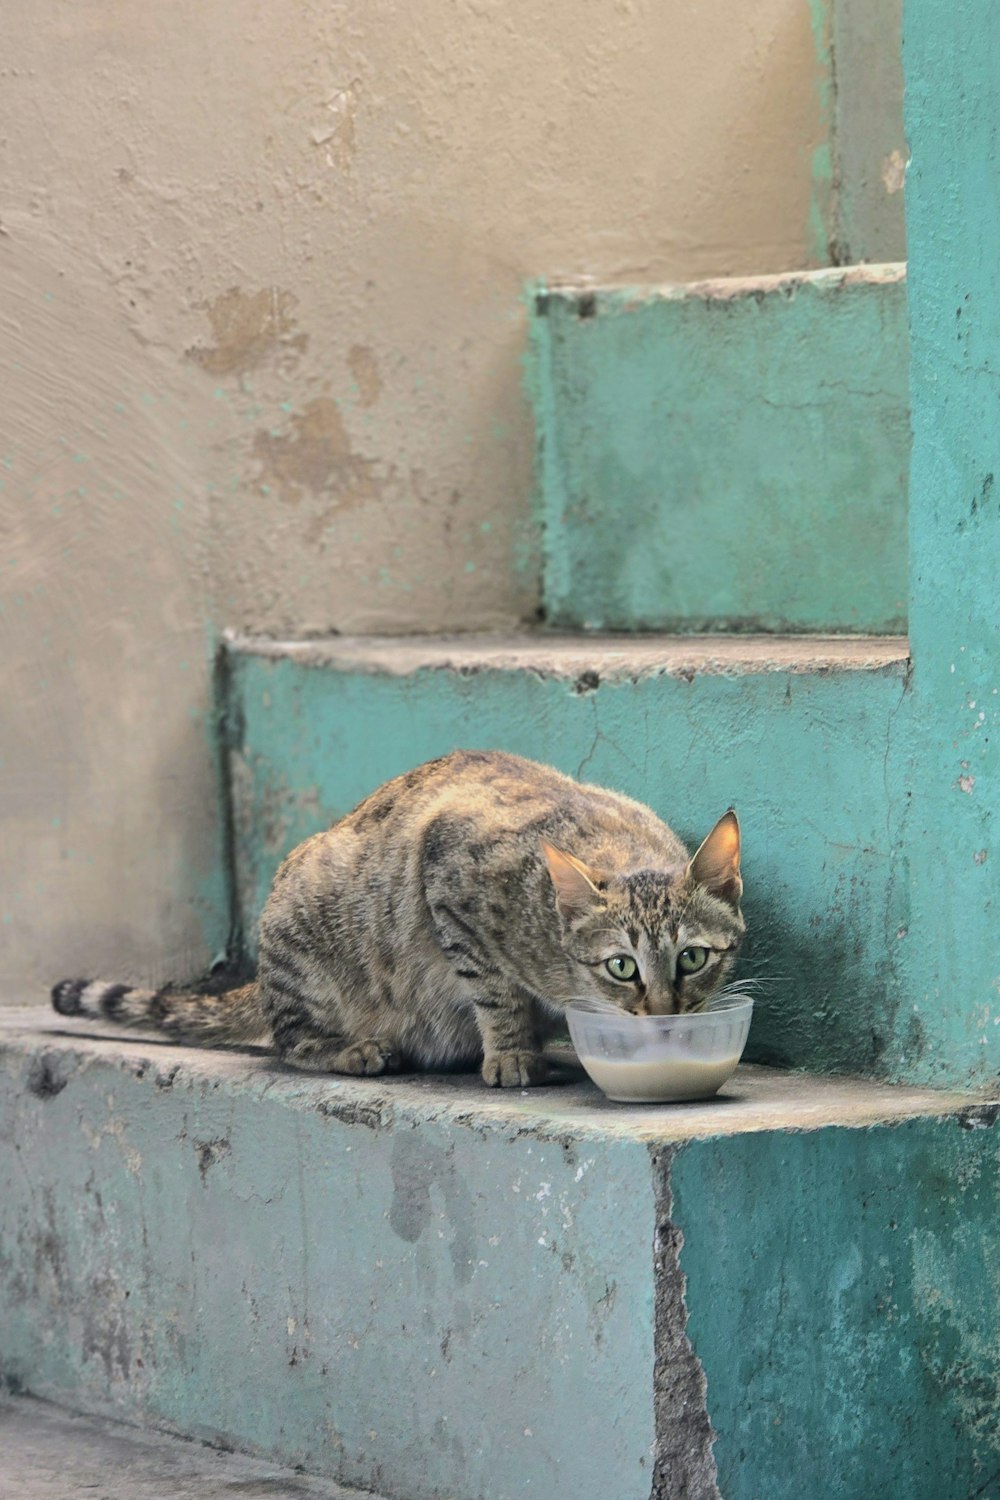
684,1467
249,328
315,457
364,368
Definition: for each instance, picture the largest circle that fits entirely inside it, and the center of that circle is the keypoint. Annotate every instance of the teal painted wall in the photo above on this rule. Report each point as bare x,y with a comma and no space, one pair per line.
731,456
801,755
873,1274
951,954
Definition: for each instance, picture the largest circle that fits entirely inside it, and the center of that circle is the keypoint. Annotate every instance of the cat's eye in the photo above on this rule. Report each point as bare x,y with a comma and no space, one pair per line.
692,959
622,967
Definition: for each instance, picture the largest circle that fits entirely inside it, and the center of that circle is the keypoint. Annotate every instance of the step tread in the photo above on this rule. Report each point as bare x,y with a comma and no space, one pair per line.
613,657
49,1454
756,1099
725,288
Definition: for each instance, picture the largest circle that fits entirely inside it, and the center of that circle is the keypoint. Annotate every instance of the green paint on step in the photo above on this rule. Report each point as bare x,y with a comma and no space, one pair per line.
871,1273
727,455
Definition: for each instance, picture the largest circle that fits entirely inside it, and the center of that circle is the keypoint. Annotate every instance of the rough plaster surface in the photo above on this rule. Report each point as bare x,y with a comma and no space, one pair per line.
110,849
261,362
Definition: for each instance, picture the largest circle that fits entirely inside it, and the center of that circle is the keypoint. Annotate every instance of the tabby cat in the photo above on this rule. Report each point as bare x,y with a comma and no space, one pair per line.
451,916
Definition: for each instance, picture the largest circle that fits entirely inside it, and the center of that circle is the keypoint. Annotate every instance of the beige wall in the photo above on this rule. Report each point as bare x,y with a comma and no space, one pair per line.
260,362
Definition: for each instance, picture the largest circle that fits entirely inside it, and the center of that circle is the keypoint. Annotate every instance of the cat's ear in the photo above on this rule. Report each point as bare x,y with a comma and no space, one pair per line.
716,865
575,885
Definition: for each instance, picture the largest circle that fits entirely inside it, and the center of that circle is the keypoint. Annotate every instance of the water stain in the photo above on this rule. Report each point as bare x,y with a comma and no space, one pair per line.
316,455
249,328
105,1331
364,367
417,1168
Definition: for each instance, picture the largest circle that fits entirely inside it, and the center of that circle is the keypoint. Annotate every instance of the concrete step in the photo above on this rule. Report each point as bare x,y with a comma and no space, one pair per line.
47,1453
435,1290
726,455
798,734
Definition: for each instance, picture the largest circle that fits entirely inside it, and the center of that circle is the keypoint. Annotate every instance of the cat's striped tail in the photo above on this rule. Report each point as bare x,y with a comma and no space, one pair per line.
224,1020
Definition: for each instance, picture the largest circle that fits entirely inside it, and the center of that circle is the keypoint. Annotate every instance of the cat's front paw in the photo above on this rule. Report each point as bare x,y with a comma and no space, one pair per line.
366,1059
514,1070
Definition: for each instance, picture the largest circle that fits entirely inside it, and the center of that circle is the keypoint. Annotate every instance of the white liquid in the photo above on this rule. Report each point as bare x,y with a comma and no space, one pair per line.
659,1080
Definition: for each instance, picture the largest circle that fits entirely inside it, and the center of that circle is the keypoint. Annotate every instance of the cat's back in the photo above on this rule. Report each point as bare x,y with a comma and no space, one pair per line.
489,796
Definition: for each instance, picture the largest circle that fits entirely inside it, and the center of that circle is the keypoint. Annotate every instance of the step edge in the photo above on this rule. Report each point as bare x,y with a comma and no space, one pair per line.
598,296
605,657
773,1101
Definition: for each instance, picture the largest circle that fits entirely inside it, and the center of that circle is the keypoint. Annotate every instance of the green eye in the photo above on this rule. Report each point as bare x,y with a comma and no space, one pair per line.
622,967
692,959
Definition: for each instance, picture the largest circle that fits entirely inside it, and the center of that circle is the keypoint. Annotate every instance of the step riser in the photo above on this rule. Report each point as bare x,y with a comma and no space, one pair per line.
865,1268
428,1312
801,755
726,456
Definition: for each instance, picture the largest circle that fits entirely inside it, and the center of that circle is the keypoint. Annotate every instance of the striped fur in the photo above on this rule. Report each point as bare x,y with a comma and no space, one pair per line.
228,1019
451,916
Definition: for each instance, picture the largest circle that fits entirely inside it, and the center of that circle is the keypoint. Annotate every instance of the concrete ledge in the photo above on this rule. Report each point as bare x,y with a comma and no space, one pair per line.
591,299
587,659
431,1290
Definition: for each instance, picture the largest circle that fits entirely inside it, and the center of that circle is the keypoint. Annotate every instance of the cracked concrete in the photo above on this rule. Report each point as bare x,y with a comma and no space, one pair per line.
684,1467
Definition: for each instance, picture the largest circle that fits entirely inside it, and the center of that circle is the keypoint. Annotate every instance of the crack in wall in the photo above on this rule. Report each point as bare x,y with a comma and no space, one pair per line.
684,1466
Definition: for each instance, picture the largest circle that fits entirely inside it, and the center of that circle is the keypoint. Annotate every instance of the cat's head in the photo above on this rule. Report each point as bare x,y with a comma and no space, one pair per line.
654,942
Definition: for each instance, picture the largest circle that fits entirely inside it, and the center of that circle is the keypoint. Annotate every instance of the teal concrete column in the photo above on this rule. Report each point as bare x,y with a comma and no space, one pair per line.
949,1027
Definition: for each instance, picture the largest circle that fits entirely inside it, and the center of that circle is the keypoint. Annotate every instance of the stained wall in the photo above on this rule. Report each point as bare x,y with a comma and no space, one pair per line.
261,331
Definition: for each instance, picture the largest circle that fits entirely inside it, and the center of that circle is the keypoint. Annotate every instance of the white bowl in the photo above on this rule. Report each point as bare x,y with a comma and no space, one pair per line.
659,1059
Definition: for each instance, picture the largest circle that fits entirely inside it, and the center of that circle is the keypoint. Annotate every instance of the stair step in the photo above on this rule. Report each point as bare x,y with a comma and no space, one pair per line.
52,1454
794,732
725,455
435,1290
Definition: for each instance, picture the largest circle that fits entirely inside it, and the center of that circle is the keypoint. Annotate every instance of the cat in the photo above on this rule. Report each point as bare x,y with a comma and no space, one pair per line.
448,920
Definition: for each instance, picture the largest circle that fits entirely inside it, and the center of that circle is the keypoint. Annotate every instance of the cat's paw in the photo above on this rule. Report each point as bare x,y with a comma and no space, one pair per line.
514,1070
367,1059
